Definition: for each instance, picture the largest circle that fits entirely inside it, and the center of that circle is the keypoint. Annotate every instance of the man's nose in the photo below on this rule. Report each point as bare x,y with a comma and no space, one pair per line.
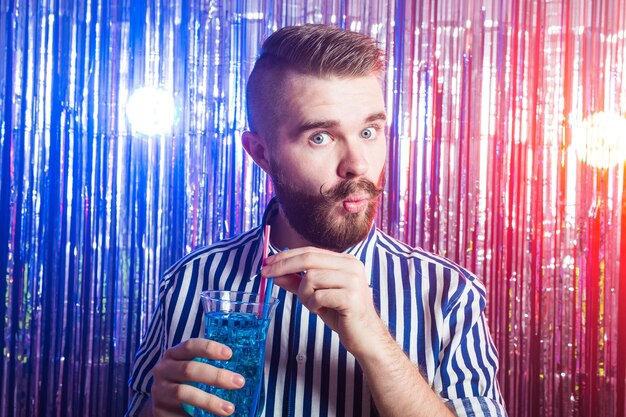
353,161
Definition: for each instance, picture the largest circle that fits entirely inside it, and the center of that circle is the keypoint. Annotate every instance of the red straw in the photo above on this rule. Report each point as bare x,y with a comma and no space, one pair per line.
266,245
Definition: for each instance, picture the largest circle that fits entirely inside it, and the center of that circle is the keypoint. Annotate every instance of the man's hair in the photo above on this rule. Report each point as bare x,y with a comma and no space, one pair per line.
316,50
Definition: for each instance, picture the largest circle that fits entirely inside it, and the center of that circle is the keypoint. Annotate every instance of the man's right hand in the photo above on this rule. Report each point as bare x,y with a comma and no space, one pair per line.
176,367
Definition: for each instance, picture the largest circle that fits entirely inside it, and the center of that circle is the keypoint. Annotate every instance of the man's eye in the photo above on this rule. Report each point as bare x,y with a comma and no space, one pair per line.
369,133
320,138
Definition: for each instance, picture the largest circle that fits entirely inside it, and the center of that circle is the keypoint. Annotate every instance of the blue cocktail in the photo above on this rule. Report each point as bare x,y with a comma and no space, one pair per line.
239,321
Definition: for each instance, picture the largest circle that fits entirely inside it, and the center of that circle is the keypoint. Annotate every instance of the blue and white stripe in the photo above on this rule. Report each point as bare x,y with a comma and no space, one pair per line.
434,309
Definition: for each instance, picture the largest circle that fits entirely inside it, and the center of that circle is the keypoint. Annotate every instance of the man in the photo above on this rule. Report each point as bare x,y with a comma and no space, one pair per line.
366,325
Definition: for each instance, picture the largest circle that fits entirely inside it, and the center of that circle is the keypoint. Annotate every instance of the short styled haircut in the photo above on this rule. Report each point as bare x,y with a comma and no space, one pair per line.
316,50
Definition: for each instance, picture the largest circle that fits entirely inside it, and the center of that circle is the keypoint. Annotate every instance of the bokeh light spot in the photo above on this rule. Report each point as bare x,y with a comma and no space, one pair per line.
600,140
151,111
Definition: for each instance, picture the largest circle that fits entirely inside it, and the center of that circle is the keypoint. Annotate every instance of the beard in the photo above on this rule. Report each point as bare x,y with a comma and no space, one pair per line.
314,216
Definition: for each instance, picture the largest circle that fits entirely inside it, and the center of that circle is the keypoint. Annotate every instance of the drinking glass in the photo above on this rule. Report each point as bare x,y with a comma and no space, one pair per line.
239,320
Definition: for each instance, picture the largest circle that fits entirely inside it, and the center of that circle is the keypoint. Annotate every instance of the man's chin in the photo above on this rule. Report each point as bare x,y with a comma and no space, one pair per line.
345,232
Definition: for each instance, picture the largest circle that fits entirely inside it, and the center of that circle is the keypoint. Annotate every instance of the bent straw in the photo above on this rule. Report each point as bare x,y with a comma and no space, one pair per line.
266,245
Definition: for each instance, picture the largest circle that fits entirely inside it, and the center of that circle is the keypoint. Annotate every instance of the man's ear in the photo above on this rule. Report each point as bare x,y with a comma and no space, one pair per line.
256,146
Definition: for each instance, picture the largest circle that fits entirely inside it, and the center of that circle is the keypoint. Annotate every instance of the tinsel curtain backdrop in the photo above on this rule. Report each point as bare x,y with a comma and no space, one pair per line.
507,137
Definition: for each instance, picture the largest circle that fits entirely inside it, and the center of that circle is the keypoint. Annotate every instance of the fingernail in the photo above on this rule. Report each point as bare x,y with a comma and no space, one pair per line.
239,380
228,408
226,352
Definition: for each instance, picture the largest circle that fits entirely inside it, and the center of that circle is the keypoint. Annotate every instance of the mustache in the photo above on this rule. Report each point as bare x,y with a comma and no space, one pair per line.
351,186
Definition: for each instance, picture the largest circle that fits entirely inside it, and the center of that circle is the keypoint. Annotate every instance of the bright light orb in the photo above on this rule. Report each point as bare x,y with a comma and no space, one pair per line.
151,111
600,140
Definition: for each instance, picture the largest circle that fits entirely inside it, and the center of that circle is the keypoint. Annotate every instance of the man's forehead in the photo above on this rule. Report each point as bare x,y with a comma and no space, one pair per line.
294,80
309,98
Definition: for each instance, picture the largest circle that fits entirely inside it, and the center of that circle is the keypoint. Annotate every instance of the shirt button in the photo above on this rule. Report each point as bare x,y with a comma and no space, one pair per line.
301,357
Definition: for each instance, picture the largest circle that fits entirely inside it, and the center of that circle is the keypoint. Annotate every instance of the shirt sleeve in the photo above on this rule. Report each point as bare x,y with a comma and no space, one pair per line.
466,378
150,350
138,400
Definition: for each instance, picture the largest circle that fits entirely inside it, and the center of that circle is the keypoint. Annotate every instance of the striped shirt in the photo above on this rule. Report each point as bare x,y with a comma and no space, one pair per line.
433,308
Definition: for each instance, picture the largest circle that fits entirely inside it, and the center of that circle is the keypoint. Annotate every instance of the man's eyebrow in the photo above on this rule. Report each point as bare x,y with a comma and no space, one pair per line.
329,124
322,124
376,116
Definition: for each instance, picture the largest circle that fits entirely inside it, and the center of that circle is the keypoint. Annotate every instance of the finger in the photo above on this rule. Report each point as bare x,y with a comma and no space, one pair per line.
332,299
351,286
301,259
315,289
306,283
317,279
198,348
289,282
309,252
306,290
198,371
173,395
320,299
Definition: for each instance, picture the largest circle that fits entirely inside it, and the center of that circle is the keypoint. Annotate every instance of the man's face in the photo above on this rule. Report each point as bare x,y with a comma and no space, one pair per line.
328,157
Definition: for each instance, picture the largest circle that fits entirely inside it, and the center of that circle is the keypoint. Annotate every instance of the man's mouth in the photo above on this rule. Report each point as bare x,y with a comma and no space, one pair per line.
355,204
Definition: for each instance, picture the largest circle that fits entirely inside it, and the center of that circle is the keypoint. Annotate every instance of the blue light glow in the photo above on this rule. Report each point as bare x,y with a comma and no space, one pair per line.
151,111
